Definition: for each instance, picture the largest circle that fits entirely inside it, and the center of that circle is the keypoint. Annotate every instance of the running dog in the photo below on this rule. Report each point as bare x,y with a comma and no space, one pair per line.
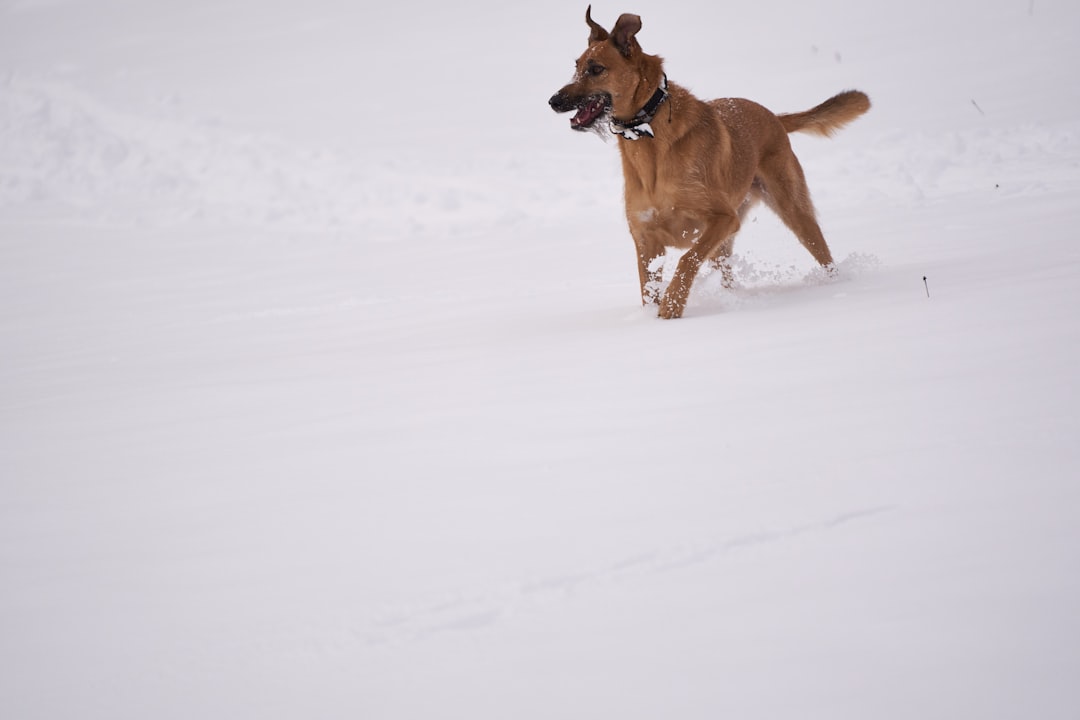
693,169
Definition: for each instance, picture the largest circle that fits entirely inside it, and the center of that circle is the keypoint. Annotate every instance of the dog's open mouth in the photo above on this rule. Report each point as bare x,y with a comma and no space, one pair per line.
591,109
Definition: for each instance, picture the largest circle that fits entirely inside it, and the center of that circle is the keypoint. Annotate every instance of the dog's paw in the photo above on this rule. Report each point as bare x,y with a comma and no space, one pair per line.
670,308
653,291
823,274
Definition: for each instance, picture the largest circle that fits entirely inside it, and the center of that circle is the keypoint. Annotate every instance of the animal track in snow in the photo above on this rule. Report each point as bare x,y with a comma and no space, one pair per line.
477,611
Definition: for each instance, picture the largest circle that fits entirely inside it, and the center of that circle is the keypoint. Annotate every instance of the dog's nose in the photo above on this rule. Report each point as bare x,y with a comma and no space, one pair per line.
558,102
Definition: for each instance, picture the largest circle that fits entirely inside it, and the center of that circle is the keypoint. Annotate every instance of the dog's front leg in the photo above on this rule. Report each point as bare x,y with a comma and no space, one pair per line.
722,227
650,251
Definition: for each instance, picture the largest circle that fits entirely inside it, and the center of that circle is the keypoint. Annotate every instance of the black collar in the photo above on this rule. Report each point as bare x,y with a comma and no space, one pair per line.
639,125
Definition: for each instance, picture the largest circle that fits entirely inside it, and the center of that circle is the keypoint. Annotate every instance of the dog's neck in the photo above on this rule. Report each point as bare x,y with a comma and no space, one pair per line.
638,126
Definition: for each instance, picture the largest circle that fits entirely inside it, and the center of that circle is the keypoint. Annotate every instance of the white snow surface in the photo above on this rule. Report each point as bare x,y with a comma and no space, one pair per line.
326,392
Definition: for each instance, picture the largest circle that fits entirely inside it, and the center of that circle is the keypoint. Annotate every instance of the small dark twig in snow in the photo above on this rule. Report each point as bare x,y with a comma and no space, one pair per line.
977,107
927,286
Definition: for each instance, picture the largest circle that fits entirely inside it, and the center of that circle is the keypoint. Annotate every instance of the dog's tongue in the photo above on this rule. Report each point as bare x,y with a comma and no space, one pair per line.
587,113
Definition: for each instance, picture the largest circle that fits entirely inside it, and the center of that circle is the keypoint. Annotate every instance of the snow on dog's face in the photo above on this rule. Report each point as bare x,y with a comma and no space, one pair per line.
606,77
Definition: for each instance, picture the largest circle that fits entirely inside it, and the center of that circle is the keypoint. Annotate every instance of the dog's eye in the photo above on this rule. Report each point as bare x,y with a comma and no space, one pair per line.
595,70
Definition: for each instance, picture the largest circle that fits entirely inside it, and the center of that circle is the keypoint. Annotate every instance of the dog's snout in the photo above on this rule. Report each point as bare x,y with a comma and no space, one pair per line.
559,102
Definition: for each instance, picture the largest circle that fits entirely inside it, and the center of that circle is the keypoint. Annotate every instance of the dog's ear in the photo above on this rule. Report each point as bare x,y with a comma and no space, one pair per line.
596,33
622,35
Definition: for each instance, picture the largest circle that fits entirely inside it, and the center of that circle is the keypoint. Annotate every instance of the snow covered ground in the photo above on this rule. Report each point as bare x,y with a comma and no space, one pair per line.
325,391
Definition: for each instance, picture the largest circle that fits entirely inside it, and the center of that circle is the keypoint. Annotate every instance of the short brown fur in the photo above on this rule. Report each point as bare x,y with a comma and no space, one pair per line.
691,185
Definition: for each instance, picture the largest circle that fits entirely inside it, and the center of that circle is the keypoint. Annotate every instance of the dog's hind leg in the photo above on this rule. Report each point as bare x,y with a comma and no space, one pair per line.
786,193
721,259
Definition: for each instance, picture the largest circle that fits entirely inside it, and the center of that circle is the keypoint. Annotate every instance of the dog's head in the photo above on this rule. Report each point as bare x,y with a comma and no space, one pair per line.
607,77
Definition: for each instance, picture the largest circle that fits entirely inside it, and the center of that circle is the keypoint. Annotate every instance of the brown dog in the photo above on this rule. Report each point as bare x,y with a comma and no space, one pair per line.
693,169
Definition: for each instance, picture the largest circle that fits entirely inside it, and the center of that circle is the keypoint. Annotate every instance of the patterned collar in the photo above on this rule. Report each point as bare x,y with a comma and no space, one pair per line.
639,125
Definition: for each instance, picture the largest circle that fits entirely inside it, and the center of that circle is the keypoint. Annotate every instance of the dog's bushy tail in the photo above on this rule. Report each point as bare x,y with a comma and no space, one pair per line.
829,116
